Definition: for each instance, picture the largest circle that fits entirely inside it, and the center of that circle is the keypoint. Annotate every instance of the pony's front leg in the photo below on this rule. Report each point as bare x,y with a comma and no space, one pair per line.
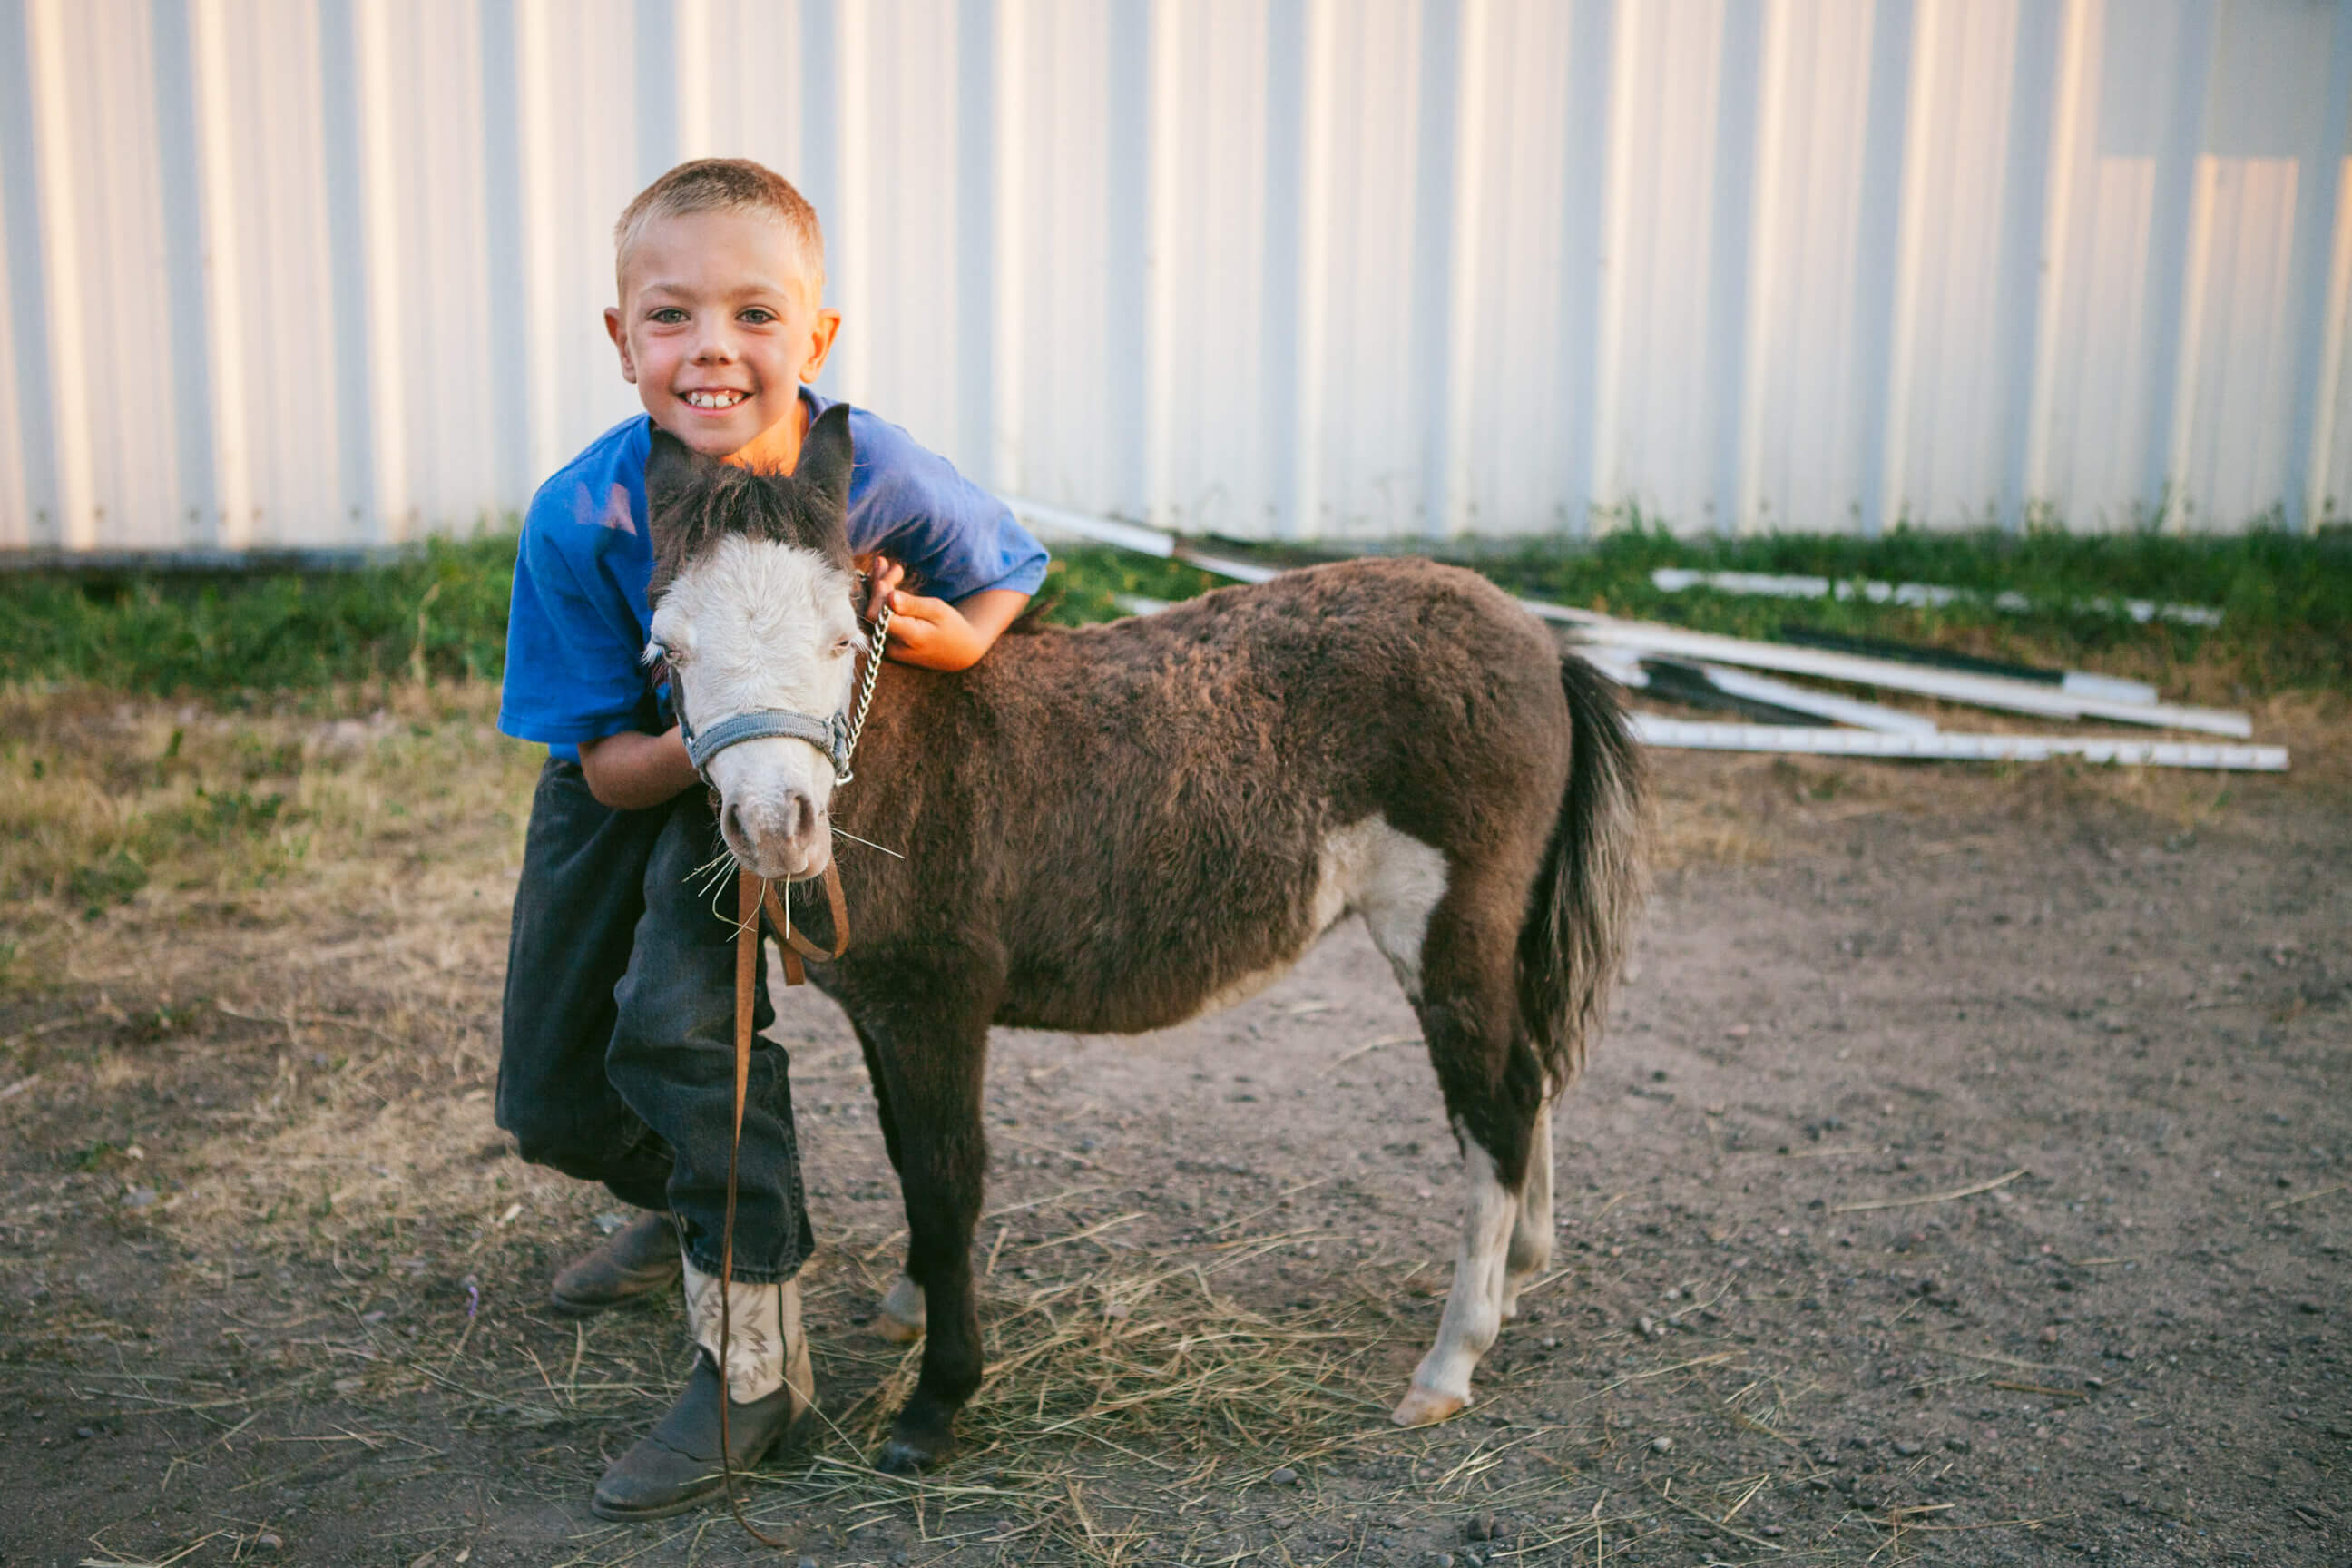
931,1072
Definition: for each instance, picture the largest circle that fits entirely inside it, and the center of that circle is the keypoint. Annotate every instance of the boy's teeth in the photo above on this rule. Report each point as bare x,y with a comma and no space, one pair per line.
714,399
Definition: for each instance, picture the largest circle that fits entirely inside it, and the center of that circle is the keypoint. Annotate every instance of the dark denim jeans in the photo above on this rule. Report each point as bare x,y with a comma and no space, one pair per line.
616,1062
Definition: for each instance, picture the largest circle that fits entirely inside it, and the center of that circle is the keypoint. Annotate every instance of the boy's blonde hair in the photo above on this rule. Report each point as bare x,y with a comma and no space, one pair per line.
724,184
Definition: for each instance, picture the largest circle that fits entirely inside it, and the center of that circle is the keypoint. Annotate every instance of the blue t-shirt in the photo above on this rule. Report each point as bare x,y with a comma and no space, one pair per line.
578,628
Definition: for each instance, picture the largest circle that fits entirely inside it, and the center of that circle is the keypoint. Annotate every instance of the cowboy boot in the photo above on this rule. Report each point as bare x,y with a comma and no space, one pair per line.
770,1391
638,1259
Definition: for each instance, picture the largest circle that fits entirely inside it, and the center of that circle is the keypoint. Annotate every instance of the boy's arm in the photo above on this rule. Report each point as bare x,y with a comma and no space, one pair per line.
632,772
933,633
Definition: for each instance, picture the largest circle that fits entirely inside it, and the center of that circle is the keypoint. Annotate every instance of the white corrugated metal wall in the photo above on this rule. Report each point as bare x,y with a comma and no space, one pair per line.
330,271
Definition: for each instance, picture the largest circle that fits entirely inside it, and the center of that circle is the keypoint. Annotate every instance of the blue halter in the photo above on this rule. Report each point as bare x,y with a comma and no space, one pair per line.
830,736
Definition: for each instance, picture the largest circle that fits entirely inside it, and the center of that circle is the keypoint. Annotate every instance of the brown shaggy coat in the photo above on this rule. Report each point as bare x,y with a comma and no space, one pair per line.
1104,828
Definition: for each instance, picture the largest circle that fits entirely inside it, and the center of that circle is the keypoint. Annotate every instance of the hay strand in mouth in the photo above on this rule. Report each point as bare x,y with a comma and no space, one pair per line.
844,833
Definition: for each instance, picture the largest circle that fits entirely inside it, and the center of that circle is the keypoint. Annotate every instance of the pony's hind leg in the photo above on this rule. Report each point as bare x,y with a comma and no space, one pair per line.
901,1320
1494,1093
1531,1226
1474,1307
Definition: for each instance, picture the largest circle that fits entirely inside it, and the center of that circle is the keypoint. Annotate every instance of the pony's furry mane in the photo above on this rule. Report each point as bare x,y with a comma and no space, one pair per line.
694,500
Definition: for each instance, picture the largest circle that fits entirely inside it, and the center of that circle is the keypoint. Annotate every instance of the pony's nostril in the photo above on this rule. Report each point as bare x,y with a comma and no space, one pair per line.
804,816
732,819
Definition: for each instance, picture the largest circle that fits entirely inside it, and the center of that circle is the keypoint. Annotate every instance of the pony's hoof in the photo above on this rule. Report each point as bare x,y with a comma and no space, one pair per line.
897,1330
900,1458
1426,1407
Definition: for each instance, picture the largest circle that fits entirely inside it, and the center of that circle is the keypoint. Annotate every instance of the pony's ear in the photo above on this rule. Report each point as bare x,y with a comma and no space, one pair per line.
669,468
827,458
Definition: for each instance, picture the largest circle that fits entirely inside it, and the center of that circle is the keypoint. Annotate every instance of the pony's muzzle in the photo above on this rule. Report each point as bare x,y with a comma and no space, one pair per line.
783,836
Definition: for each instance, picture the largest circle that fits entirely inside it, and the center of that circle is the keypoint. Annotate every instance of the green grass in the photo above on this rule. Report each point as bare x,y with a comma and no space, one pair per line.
2286,600
441,612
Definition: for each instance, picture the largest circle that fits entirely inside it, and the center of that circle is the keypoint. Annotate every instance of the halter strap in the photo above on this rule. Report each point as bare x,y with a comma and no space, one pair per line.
830,736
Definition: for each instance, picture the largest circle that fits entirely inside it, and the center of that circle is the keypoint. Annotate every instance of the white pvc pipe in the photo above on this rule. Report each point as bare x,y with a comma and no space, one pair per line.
1685,735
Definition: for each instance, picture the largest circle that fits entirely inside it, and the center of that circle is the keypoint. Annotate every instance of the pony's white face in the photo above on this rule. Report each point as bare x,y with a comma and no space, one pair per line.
751,625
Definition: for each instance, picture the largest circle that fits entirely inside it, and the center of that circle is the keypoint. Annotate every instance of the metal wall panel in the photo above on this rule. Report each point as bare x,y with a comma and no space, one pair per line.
1801,435
1519,269
2332,464
1943,456
1665,380
269,288
17,521
1214,221
332,271
111,389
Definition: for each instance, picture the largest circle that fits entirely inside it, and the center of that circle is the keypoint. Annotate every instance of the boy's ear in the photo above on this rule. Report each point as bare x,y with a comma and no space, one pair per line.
671,466
826,457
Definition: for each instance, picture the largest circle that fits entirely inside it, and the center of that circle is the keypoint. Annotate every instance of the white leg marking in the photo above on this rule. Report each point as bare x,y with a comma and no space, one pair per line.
901,1321
1474,1309
1531,1231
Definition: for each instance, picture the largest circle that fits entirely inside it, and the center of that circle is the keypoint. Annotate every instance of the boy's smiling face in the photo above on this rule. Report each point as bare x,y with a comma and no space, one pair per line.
720,323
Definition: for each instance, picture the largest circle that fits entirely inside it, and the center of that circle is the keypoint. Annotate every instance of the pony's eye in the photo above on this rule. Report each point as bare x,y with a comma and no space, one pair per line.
845,645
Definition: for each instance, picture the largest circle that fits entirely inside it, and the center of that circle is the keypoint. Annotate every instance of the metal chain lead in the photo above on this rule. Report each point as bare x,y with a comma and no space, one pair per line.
866,692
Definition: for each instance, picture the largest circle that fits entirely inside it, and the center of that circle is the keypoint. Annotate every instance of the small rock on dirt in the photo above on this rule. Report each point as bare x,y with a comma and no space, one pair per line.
1283,1476
1662,1445
1909,1450
1480,1528
266,1542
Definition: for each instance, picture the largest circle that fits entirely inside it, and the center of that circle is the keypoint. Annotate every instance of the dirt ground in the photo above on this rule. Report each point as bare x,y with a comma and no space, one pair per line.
271,1284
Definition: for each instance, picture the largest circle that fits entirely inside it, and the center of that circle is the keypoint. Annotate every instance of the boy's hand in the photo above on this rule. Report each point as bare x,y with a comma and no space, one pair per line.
882,574
931,632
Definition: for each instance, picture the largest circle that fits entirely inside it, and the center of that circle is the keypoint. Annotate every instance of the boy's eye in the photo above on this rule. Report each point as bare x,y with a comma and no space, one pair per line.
666,315
757,316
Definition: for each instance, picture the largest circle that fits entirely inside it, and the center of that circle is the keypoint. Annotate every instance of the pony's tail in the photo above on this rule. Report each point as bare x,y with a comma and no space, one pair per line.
1580,918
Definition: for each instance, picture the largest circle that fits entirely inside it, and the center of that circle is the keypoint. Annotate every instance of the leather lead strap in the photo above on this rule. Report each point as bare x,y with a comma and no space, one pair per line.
752,894
747,969
796,946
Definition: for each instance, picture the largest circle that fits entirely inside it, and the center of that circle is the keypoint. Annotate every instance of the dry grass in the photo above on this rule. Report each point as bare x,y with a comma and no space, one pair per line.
108,804
312,986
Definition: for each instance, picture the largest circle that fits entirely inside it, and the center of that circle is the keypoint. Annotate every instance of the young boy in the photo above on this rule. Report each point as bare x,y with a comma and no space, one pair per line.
617,1060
